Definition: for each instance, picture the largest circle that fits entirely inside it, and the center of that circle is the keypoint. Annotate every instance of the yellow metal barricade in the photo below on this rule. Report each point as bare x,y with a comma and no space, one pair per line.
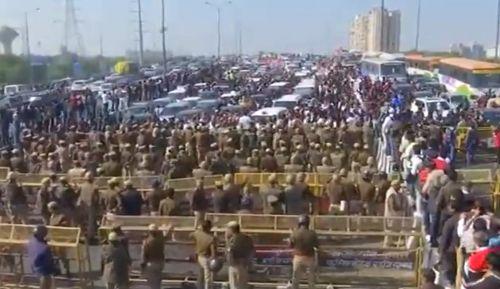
3,172
15,237
484,133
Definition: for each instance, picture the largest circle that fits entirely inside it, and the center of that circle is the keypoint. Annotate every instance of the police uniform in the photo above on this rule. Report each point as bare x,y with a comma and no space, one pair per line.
205,244
153,259
304,243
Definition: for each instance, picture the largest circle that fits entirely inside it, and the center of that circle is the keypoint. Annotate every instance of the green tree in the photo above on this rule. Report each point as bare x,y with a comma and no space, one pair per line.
13,69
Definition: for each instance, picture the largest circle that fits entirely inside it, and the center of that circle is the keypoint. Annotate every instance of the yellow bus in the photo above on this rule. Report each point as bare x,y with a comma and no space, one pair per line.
469,77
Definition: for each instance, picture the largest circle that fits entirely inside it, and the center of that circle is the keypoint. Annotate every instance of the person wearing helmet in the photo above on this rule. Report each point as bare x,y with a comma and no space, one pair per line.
59,219
41,258
206,249
240,250
88,203
199,202
117,263
17,203
305,244
367,193
153,256
131,200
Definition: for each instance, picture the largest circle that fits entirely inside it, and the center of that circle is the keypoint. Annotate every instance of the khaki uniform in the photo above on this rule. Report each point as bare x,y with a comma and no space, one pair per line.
166,207
367,192
293,168
248,169
240,249
325,169
304,243
201,173
206,245
153,259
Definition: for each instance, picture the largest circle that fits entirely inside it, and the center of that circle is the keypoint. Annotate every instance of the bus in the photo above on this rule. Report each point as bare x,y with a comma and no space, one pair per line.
289,101
305,88
419,64
378,68
469,77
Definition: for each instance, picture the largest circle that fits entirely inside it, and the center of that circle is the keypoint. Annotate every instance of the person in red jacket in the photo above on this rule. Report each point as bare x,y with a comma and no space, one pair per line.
496,141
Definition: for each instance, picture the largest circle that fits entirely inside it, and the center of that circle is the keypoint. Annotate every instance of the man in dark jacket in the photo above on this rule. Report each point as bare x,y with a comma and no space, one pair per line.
131,200
429,279
17,206
492,279
41,258
199,203
304,243
117,262
449,242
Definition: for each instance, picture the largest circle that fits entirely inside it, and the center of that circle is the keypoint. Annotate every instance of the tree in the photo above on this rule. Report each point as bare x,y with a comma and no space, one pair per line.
13,69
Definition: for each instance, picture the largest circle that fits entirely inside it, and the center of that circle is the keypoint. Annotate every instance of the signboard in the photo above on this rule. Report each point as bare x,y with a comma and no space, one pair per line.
345,259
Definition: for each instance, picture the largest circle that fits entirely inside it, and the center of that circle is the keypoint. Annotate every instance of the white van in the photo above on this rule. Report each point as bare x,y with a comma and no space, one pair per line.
288,101
14,89
430,105
267,113
305,88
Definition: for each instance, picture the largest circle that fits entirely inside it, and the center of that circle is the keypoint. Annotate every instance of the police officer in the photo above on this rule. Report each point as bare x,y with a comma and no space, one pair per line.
206,249
305,244
153,256
240,250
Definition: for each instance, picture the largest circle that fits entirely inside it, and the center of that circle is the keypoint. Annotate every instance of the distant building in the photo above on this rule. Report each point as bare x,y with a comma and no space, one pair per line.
474,51
490,52
477,51
365,32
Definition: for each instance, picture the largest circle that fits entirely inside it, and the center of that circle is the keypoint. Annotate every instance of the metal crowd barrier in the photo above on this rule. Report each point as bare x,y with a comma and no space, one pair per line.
314,180
142,183
484,134
351,247
64,241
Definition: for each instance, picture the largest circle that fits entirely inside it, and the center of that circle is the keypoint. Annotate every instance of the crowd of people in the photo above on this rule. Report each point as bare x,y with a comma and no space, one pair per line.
337,134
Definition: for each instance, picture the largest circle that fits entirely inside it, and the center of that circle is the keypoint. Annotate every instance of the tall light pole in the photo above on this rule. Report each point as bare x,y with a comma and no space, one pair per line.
417,37
163,28
498,31
218,9
27,31
141,37
28,45
382,9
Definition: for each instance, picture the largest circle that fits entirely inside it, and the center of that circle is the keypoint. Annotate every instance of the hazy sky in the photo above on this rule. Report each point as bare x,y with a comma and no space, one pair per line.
270,25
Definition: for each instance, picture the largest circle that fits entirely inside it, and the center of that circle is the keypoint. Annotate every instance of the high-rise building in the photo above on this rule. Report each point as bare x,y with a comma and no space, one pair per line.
366,31
477,51
474,51
359,32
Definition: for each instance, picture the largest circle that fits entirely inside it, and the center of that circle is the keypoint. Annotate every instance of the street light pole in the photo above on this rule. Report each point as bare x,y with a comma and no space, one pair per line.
218,9
417,38
28,48
141,37
164,45
382,8
498,31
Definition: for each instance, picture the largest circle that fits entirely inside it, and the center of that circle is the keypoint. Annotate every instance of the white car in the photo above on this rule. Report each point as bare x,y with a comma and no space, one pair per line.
105,87
79,85
430,105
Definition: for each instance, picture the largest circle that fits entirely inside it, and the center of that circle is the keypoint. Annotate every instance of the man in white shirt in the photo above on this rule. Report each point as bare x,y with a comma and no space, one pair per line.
386,132
245,122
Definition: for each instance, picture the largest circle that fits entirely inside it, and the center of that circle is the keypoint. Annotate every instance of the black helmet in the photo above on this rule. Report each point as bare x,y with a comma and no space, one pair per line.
40,231
304,220
215,264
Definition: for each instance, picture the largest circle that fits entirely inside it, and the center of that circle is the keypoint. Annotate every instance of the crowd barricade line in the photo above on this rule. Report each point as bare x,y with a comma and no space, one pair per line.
485,133
357,242
315,181
4,172
64,241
